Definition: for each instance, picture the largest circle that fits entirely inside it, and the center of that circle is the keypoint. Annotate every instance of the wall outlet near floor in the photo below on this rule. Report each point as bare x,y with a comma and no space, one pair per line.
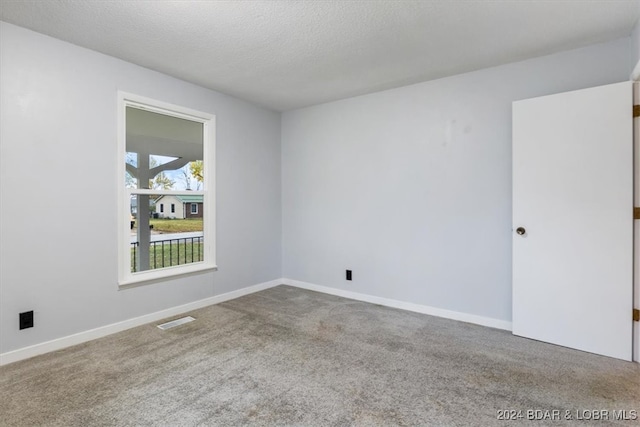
26,320
348,274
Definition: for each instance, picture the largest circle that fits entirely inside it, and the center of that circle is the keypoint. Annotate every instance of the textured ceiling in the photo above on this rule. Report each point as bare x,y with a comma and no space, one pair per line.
289,54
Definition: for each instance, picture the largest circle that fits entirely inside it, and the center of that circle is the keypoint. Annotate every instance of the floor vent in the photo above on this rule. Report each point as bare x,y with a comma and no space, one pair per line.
176,322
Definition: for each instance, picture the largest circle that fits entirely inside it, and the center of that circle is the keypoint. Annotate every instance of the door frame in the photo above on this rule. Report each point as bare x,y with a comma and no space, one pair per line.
636,222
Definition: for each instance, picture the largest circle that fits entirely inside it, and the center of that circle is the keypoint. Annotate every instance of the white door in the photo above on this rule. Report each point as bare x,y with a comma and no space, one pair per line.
573,202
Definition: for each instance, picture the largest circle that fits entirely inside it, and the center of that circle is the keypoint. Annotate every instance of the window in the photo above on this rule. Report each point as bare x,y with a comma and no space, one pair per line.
167,155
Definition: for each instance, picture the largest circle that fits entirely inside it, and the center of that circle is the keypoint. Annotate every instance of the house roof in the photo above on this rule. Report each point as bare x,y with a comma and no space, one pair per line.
196,198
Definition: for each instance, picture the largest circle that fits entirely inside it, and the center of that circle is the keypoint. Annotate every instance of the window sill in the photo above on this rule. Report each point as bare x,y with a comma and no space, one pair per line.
167,273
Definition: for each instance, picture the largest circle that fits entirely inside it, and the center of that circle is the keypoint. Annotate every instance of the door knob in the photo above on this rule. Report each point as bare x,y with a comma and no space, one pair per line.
521,230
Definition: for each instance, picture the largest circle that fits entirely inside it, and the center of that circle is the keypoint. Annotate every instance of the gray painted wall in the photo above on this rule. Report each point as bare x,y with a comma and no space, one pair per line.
58,190
635,44
411,187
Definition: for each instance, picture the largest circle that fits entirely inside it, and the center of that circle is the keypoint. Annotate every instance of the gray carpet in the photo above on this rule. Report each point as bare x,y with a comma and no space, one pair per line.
287,356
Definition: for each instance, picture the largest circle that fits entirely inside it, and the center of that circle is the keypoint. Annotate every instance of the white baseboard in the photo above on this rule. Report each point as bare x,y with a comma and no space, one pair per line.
418,308
80,337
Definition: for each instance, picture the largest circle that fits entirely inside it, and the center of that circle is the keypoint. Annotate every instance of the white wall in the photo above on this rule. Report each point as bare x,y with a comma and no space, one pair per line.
635,45
166,203
58,154
411,187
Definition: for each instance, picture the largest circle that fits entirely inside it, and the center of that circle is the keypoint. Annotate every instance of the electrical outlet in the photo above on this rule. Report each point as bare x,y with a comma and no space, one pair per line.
26,320
348,274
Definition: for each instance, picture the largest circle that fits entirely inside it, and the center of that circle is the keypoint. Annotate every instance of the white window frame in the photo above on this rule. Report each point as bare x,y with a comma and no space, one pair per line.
191,208
125,277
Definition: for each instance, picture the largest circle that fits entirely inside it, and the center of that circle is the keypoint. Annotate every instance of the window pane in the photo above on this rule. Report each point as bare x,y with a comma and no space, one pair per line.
162,239
163,152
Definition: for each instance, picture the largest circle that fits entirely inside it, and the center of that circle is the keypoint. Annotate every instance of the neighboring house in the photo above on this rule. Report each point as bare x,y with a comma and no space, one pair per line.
179,206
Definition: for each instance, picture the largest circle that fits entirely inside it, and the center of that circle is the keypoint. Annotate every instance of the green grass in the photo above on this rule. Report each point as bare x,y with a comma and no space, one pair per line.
177,254
176,225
